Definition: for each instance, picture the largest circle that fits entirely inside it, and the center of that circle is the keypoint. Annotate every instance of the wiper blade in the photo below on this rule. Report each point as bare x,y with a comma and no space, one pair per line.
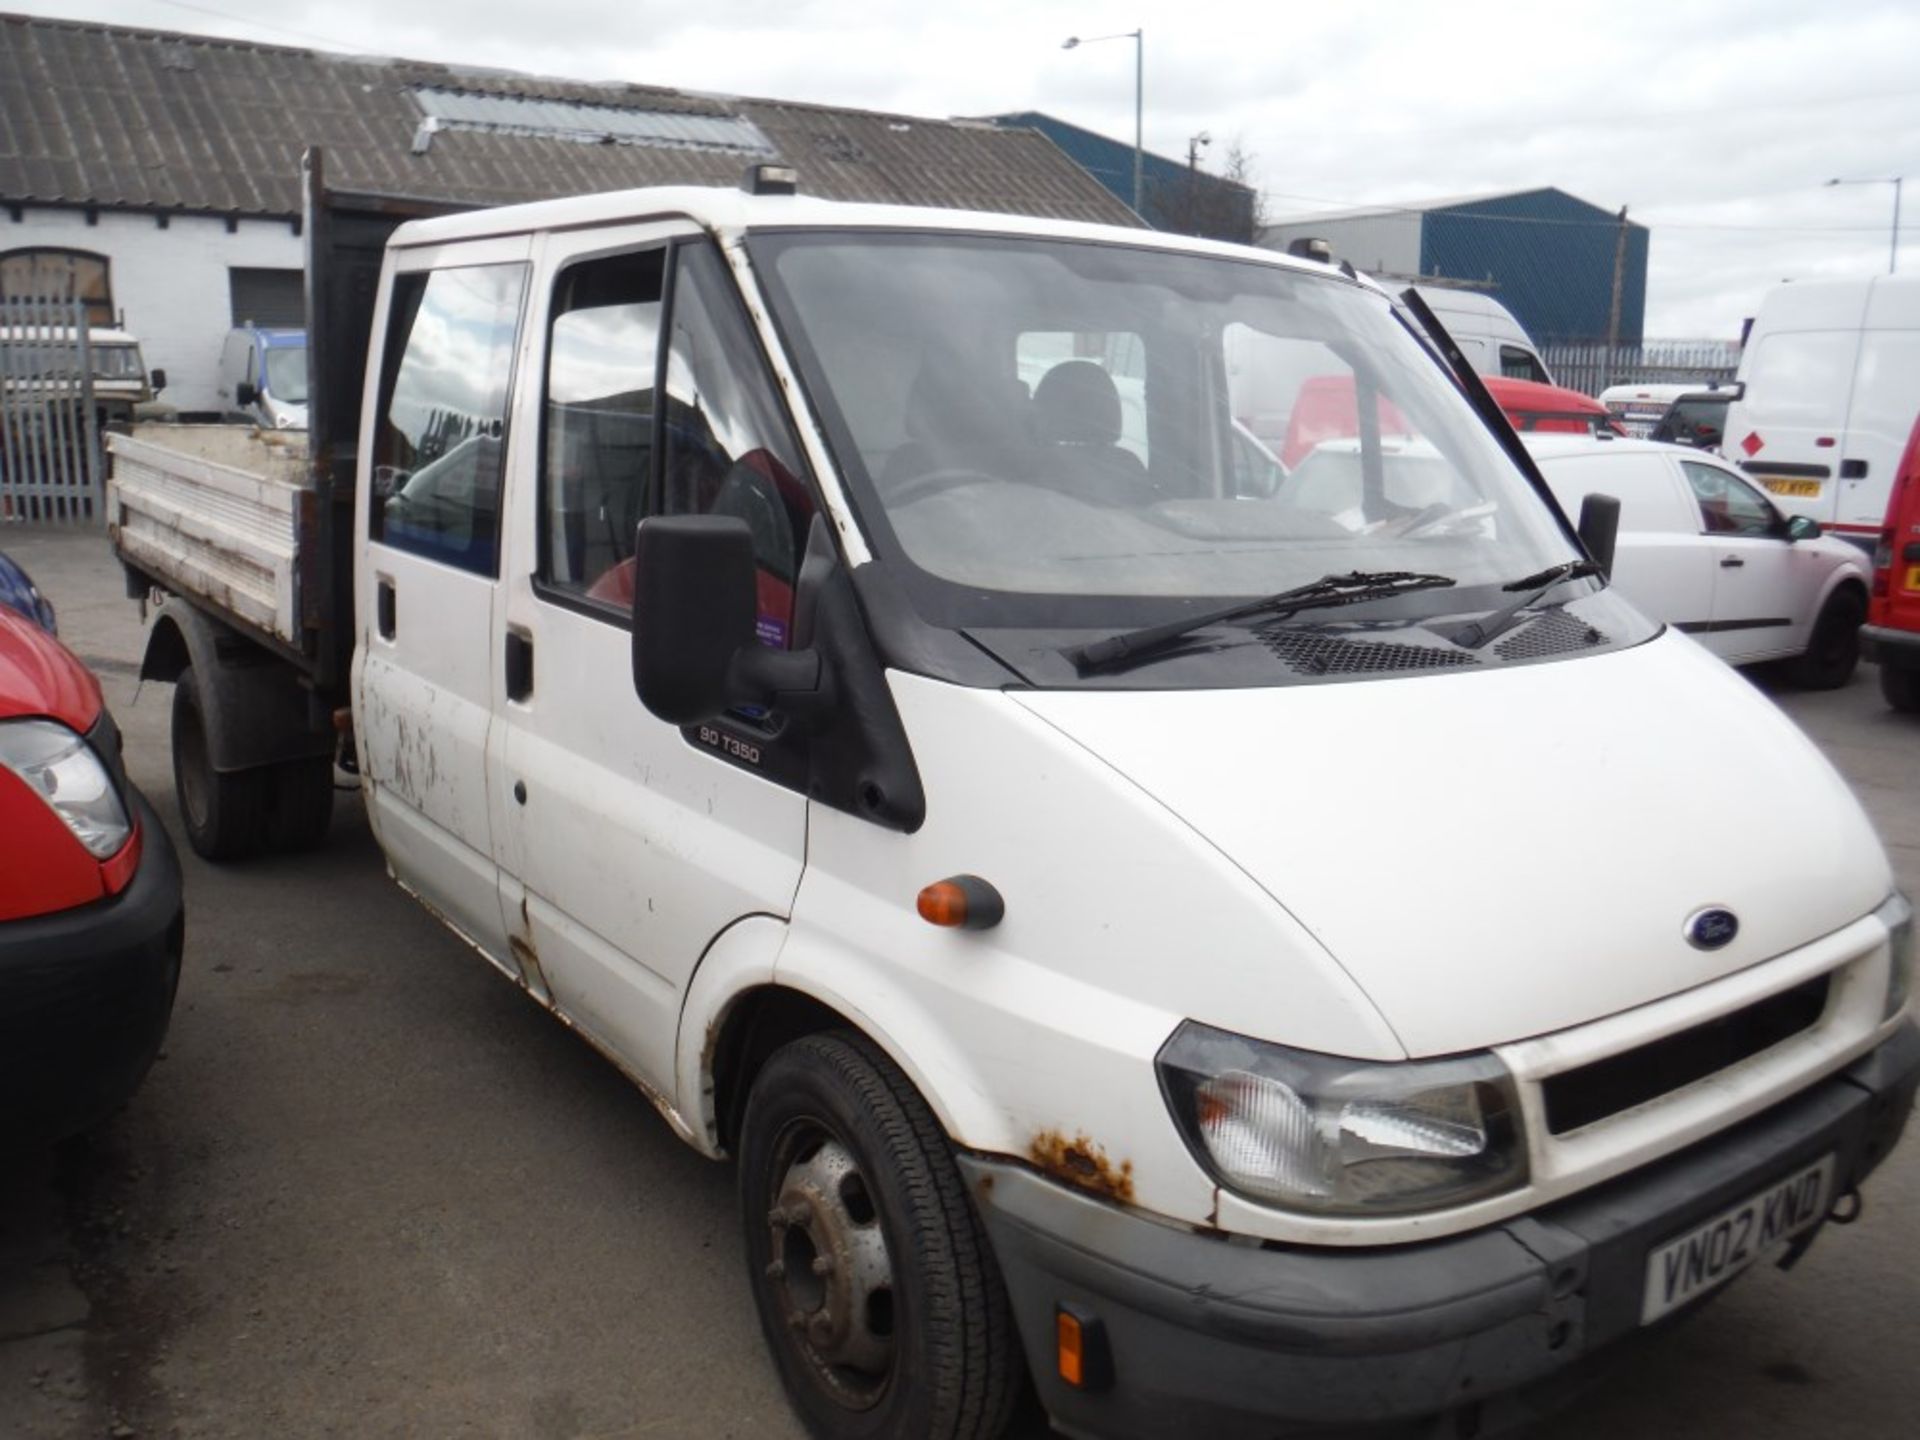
1328,590
1477,634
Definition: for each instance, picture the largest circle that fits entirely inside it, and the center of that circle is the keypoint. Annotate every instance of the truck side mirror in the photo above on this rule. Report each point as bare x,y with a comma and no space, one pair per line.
1599,529
157,381
695,653
244,393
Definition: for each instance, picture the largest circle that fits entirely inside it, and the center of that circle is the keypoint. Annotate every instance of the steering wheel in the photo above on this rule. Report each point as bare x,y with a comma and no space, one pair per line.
932,482
1439,520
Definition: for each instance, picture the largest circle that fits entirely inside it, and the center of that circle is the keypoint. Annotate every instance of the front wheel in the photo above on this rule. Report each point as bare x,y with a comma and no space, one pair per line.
877,1291
1834,647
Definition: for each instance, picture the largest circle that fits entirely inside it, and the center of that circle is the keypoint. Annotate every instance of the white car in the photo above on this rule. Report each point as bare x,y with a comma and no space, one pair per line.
1703,549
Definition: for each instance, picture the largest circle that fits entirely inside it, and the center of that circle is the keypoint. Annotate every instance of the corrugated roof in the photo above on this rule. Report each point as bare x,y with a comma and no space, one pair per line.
142,119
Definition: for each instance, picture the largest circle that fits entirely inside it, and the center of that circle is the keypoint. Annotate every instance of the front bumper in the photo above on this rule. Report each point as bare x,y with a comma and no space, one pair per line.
1222,1338
1886,646
85,996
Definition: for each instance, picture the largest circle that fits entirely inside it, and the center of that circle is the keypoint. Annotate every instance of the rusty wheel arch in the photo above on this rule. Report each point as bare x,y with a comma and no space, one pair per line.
753,1027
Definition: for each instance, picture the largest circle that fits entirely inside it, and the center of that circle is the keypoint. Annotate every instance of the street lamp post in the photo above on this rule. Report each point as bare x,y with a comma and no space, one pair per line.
1893,250
1139,38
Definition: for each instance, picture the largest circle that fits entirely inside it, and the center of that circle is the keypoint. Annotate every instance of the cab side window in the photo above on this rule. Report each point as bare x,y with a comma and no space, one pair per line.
1518,364
441,436
603,352
727,447
1728,505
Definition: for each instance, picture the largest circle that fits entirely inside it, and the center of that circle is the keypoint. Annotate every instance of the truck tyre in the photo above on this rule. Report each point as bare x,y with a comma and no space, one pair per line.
1833,649
877,1290
300,803
1901,687
225,814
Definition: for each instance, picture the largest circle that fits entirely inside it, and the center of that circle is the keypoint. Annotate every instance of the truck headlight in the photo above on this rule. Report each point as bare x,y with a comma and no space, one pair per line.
1897,916
1343,1137
62,770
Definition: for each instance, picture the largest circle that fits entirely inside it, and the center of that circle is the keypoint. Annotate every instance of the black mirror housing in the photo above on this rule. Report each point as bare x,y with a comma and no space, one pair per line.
244,393
157,381
695,651
1599,529
1803,527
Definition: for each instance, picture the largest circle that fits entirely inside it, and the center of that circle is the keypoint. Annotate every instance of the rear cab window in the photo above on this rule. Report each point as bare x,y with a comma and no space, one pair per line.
440,440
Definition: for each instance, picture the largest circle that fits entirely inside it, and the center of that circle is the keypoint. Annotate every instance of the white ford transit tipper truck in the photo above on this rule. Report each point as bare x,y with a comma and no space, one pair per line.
1244,947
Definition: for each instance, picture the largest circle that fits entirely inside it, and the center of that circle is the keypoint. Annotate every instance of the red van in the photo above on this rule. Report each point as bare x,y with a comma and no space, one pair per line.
1891,635
91,920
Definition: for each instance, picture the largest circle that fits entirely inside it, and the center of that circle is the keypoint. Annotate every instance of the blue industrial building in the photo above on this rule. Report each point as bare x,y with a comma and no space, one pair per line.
1174,195
1546,255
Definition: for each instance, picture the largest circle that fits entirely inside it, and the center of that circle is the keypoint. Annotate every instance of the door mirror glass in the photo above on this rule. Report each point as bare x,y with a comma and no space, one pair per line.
1803,527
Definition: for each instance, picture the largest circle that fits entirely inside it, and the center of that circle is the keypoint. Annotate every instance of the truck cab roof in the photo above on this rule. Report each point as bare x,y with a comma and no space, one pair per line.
729,212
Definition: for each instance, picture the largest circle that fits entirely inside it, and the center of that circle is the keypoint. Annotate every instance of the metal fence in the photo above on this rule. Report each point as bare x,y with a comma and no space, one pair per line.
1591,367
50,463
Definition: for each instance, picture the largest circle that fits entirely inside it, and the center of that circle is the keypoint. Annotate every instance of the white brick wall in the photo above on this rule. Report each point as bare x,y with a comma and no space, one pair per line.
170,284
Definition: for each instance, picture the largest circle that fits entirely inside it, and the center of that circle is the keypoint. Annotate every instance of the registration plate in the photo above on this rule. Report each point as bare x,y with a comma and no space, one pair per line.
1804,489
1713,1253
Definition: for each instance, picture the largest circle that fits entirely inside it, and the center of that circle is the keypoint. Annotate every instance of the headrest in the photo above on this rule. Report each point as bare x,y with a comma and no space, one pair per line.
1076,403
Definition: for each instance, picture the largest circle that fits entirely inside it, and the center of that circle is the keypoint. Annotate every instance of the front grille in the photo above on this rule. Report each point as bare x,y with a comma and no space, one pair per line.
1593,1092
1312,653
1554,633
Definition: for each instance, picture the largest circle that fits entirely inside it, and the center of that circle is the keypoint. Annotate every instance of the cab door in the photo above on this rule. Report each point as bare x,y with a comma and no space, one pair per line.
626,844
426,665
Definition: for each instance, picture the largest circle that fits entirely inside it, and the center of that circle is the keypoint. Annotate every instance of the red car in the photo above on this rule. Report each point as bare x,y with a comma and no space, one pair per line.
1892,632
91,920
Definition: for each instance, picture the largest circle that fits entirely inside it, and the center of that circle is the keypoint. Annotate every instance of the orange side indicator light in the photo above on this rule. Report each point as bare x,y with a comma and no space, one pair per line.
962,902
1072,1348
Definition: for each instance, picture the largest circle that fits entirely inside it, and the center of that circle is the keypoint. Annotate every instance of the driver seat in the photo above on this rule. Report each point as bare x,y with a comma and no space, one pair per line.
1077,419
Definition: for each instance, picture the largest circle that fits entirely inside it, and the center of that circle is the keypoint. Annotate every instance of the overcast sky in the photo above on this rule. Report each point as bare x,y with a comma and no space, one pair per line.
1716,121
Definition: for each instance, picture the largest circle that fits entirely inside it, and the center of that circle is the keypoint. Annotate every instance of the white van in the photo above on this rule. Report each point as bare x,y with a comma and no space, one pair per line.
1702,549
1641,407
1248,947
1826,395
1492,340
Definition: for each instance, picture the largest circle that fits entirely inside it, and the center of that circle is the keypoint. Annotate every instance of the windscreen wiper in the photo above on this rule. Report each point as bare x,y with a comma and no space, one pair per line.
1477,634
1328,590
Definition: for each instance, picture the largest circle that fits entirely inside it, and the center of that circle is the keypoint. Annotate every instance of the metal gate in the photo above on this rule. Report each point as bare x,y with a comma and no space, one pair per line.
50,462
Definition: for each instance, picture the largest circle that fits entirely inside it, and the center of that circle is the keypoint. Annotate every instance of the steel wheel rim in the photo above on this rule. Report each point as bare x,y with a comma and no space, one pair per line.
191,774
829,1274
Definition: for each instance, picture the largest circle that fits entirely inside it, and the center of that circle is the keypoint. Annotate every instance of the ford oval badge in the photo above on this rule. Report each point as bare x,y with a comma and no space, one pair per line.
1712,928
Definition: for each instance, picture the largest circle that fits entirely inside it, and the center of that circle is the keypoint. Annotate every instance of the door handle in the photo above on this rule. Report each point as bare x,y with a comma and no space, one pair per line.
385,607
1853,469
1732,562
519,664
